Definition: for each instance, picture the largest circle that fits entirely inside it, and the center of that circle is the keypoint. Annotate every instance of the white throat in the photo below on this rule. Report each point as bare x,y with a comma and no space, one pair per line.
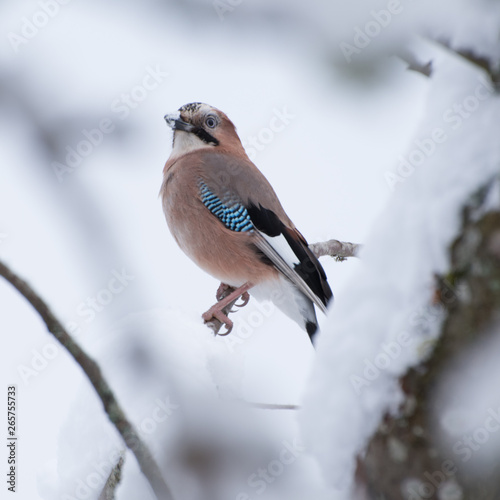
185,142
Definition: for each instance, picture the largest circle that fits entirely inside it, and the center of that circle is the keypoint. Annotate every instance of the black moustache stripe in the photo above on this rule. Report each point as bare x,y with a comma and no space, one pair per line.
205,136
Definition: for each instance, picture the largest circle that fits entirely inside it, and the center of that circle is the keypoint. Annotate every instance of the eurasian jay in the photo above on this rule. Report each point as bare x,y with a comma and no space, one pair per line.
226,217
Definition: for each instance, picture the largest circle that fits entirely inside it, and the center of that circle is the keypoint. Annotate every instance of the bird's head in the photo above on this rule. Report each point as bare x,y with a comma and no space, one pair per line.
197,125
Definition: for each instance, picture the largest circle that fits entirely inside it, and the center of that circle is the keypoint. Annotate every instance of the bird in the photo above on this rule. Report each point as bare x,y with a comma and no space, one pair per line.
225,215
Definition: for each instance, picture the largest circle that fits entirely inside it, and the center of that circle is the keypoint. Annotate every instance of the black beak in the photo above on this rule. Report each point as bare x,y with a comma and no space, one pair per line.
175,123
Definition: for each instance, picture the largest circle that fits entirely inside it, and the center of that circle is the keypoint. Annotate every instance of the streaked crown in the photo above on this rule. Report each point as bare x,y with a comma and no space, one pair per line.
201,125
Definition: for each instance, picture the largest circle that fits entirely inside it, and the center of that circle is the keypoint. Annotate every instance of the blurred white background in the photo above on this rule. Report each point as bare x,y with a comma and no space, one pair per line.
67,232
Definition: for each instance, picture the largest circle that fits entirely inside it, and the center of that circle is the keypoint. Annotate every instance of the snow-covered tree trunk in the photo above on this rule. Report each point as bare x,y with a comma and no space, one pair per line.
403,456
403,399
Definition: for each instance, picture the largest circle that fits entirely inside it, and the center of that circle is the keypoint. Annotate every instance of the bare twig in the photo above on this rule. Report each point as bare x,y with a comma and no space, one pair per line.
259,406
414,64
340,250
334,248
115,413
114,478
272,406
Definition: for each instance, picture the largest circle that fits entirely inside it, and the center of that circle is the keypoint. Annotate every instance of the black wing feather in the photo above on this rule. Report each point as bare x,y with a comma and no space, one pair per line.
308,268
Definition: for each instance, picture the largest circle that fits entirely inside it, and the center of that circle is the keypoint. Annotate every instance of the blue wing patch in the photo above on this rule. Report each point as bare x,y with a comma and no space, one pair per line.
232,214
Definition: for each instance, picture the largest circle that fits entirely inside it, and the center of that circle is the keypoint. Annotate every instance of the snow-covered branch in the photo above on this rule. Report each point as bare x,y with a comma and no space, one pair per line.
481,61
380,375
111,406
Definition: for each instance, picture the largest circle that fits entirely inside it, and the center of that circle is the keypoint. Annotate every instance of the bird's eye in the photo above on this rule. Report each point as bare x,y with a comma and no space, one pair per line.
210,121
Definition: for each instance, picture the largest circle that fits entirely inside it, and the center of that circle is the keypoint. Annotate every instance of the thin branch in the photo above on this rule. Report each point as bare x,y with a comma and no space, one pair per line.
259,406
144,457
334,248
272,406
414,64
340,250
114,478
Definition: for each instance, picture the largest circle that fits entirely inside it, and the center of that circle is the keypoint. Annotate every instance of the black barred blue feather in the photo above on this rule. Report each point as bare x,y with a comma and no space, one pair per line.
231,213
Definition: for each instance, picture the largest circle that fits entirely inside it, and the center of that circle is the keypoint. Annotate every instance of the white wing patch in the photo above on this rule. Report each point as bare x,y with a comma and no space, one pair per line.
261,241
281,246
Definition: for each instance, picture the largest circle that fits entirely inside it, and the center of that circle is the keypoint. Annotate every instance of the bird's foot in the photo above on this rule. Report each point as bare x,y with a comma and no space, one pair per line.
215,313
220,310
222,291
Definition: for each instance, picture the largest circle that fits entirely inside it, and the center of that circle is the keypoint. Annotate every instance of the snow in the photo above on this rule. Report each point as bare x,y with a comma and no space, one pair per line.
182,393
394,283
329,165
374,27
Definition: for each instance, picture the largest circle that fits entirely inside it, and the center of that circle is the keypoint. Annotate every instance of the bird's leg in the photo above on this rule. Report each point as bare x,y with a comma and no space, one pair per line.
217,310
224,289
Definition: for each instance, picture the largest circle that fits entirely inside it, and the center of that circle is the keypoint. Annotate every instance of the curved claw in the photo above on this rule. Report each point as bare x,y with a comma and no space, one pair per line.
221,291
215,313
229,328
245,298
